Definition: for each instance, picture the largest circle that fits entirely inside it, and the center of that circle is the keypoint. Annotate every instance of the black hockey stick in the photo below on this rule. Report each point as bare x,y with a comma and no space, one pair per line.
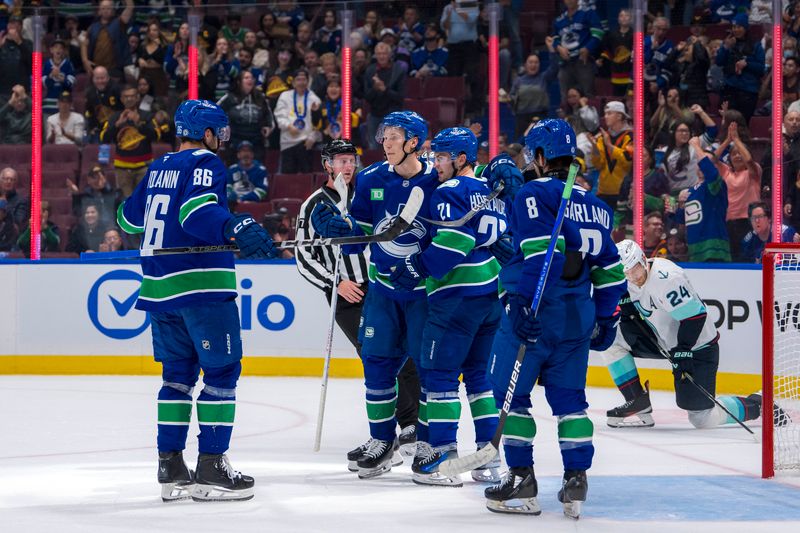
472,212
689,377
454,467
397,227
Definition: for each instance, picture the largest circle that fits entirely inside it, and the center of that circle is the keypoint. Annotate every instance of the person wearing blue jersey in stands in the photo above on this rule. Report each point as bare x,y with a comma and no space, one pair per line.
191,299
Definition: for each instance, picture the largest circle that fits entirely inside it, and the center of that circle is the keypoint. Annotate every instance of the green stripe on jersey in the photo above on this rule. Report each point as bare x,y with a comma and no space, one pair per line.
174,412
466,275
126,225
216,413
187,282
193,204
607,276
519,426
444,410
454,241
365,227
538,245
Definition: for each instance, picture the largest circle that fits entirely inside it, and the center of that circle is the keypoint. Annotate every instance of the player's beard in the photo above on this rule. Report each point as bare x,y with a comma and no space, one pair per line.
212,150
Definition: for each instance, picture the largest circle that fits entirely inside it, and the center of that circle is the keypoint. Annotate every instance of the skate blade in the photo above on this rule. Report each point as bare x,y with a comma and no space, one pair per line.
397,459
408,449
572,510
436,480
172,492
213,493
486,475
352,466
369,473
515,506
639,420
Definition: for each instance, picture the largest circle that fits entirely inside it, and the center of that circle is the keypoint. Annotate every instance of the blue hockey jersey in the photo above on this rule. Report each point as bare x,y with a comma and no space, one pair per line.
458,259
248,184
381,194
54,88
181,202
582,30
658,61
586,231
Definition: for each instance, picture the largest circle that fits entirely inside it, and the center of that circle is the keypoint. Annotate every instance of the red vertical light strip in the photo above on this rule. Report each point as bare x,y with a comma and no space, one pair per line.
777,127
767,298
347,74
194,68
36,142
494,79
638,121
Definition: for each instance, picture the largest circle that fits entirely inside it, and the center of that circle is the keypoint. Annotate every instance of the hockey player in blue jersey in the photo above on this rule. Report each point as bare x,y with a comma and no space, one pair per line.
393,320
191,301
577,311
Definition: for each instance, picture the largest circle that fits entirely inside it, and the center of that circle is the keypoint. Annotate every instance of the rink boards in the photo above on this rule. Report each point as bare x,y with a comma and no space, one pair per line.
68,317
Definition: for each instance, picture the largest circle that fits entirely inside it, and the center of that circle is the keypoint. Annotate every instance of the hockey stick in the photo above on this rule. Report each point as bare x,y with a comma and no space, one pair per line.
472,212
341,188
453,467
398,226
699,387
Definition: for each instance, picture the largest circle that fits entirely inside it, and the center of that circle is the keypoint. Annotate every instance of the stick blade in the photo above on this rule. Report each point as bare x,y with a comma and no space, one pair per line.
460,465
341,188
413,205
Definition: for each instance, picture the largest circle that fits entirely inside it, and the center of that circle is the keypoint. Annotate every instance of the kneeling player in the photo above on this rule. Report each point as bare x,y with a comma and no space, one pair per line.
663,310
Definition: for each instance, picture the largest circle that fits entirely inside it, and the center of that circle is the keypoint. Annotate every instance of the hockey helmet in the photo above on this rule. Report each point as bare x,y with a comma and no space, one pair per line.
554,137
456,141
630,255
336,147
409,121
194,117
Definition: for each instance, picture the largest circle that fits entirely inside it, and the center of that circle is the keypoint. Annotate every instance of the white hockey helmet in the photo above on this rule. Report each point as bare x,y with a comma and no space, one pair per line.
630,254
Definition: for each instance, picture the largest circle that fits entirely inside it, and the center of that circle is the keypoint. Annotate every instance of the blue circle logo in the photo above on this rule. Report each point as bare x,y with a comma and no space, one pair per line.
122,307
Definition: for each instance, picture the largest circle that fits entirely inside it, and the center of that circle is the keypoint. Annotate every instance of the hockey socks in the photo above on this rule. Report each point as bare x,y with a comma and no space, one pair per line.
626,377
443,411
216,409
484,415
575,432
381,404
518,436
422,416
174,415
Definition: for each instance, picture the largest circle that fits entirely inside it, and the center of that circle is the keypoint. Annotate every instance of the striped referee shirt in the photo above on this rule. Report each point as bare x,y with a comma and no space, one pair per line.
316,263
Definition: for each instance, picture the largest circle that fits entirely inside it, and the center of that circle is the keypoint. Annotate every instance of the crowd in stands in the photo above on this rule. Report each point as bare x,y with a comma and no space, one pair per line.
114,73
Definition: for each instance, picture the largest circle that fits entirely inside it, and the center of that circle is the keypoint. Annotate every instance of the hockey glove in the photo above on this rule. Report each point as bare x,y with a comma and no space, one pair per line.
502,168
253,241
682,361
524,323
604,332
407,274
627,308
328,222
503,249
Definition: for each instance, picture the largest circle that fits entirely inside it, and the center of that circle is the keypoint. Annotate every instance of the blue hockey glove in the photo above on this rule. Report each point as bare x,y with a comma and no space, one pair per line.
502,168
604,332
407,274
503,249
328,222
253,241
524,323
682,361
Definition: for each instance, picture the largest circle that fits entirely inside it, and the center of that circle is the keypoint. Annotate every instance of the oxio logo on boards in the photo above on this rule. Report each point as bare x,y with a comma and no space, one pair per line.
111,305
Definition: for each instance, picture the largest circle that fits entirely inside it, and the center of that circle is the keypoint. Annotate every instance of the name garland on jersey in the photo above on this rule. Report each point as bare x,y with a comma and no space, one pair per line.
582,213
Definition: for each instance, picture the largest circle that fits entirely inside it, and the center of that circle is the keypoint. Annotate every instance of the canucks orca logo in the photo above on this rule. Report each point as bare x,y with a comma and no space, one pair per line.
407,243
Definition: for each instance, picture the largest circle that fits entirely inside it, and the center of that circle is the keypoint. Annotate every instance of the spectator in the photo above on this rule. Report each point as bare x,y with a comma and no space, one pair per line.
176,62
384,89
791,79
679,160
742,62
102,101
71,35
245,57
430,59
328,118
105,43
50,240
294,120
329,36
743,180
460,23
389,37
658,60
280,77
97,192
278,228
287,12
248,112
87,234
304,40
577,39
760,217
761,12
677,248
329,71
132,132
360,64
131,59
577,111
716,76
15,59
17,207
667,116
656,197
693,63
411,33
612,152
152,57
8,230
112,240
266,29
617,53
148,103
483,153
221,69
371,29
233,31
15,118
791,167
66,126
248,179
58,75
654,244
529,96
504,55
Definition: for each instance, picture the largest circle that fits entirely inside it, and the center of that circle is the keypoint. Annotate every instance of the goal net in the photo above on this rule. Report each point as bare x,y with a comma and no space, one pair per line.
781,358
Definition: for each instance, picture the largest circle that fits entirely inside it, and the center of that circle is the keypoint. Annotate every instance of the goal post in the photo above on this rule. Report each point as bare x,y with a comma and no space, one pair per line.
781,357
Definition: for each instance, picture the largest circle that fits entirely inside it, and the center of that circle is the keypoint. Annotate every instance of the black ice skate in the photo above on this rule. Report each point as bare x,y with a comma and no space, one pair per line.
376,459
408,440
573,492
355,454
515,494
633,413
780,417
426,467
216,480
488,473
177,481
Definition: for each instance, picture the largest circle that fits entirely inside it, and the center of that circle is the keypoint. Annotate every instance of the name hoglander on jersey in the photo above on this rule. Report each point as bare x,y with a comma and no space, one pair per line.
165,179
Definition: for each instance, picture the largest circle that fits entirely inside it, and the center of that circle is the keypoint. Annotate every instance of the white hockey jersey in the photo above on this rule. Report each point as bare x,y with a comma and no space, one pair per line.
666,298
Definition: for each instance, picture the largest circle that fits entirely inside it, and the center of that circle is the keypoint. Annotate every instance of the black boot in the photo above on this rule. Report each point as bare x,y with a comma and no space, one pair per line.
780,417
177,481
216,480
377,459
637,411
573,492
515,494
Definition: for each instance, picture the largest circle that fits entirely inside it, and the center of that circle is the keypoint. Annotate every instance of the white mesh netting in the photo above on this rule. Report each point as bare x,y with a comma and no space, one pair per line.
786,360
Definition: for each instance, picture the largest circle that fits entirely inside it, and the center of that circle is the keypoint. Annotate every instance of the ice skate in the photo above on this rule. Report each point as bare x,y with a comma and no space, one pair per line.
355,454
780,417
408,441
633,413
573,492
488,473
177,481
426,468
377,458
216,480
515,494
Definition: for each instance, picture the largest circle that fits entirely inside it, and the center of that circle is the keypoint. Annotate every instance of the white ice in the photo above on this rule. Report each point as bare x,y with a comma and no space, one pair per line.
78,454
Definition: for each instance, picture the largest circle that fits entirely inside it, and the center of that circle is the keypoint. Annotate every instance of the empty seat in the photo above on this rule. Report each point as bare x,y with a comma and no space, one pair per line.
257,209
291,185
272,160
448,87
61,158
415,88
760,127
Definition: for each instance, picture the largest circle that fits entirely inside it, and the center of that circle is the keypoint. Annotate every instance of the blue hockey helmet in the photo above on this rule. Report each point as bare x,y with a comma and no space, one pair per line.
456,141
193,117
409,121
554,137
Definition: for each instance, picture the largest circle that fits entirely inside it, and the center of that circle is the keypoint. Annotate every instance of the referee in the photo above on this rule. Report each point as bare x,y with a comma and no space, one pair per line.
316,265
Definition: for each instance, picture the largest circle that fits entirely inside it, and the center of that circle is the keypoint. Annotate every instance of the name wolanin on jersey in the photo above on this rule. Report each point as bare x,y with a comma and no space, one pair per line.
586,229
181,202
